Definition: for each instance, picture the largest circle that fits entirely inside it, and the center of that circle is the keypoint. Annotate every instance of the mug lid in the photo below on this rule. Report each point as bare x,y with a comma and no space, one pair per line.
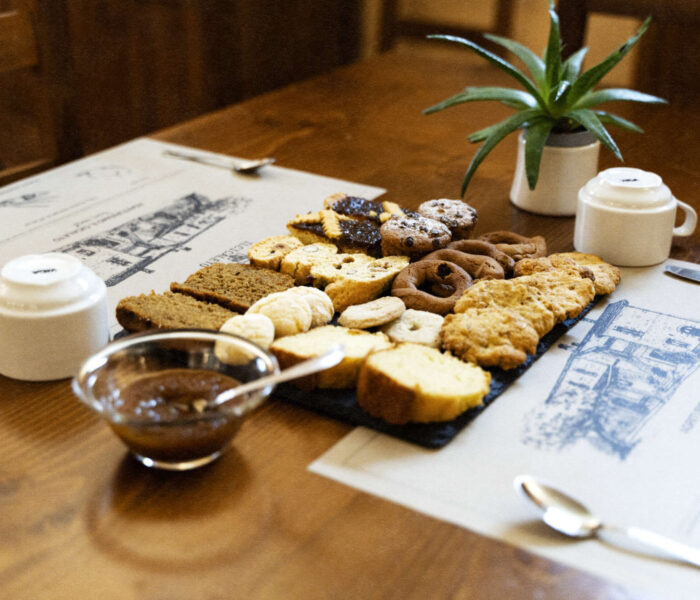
630,188
38,282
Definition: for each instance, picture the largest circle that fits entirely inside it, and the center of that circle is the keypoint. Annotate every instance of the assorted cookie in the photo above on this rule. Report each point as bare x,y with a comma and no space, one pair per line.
422,306
459,217
413,236
372,314
416,326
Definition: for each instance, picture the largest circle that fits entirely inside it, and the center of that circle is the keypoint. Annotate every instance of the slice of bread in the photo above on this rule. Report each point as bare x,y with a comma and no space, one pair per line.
293,349
233,285
414,383
169,311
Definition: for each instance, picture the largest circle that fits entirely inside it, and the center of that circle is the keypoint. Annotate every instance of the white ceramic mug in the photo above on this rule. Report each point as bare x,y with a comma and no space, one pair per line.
626,216
53,315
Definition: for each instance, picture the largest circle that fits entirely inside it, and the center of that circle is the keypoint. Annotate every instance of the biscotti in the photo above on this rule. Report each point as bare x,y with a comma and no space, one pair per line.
415,383
357,343
169,311
233,285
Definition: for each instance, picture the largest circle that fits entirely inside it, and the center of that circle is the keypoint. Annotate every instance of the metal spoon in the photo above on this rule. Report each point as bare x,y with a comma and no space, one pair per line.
307,367
570,517
245,167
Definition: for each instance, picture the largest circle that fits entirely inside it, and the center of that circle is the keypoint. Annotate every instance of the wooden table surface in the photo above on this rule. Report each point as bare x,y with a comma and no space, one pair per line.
80,519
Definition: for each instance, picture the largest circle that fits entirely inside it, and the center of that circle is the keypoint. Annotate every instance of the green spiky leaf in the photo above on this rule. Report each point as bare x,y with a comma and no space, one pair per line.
588,119
502,64
552,54
533,62
535,140
497,133
611,119
508,96
615,95
592,76
556,96
572,65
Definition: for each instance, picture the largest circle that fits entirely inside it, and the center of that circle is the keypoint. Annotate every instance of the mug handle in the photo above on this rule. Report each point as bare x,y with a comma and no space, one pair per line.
691,219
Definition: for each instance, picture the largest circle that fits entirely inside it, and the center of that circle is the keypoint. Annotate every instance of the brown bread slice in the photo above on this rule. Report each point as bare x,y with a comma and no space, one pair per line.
169,311
233,285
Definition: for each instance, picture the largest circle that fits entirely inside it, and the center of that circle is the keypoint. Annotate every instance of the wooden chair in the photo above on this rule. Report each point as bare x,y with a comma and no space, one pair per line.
668,56
38,127
395,26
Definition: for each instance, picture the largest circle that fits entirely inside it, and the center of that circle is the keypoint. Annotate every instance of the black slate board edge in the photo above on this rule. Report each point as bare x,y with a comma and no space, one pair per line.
342,404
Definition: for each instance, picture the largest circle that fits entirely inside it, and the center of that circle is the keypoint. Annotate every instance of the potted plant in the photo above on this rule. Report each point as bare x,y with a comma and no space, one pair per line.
562,128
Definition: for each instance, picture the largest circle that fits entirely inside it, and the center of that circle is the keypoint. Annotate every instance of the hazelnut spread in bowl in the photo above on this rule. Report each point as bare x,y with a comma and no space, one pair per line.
155,391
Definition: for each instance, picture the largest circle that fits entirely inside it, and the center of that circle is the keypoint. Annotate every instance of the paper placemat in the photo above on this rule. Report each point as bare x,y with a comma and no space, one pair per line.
140,219
611,414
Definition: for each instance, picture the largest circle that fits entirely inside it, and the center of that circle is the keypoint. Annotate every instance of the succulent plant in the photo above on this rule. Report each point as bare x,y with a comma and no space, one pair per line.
557,97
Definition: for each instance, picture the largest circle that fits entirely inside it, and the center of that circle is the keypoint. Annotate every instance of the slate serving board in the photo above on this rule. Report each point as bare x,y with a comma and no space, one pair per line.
342,404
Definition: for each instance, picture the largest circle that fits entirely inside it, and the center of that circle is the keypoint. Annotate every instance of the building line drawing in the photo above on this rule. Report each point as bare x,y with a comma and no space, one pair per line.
625,370
134,245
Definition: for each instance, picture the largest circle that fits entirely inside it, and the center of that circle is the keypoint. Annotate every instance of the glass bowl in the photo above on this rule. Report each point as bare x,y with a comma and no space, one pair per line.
153,389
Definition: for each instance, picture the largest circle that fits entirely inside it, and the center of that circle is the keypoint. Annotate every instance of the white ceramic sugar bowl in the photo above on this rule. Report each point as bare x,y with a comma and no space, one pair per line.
53,315
626,216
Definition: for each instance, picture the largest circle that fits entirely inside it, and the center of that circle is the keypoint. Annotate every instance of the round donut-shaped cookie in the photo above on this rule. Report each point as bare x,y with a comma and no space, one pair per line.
373,313
486,249
477,265
413,236
457,215
416,326
411,284
515,245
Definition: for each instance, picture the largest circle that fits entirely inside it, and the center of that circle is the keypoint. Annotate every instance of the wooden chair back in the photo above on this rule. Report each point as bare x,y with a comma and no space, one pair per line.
395,26
37,122
668,56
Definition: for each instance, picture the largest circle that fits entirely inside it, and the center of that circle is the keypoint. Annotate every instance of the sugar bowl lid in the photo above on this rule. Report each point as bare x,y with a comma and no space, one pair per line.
626,187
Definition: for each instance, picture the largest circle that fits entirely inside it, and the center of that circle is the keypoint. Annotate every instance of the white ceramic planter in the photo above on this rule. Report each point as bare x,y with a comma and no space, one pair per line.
569,160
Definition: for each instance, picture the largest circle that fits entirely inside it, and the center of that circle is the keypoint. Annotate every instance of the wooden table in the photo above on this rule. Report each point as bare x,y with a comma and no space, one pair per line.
80,519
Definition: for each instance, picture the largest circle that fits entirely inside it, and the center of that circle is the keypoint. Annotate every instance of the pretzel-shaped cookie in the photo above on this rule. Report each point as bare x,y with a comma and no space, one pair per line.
411,283
486,249
515,245
478,266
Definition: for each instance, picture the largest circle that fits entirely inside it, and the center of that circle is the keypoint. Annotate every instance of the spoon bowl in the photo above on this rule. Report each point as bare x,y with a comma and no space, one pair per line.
568,516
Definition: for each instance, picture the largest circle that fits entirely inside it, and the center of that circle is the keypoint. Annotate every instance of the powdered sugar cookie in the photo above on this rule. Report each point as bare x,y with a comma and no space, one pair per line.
319,302
289,313
257,328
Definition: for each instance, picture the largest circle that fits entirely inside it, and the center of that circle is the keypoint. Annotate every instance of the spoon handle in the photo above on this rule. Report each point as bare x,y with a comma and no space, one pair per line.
660,542
205,160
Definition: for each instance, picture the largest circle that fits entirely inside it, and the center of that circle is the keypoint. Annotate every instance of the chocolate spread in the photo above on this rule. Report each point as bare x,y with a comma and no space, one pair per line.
179,425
